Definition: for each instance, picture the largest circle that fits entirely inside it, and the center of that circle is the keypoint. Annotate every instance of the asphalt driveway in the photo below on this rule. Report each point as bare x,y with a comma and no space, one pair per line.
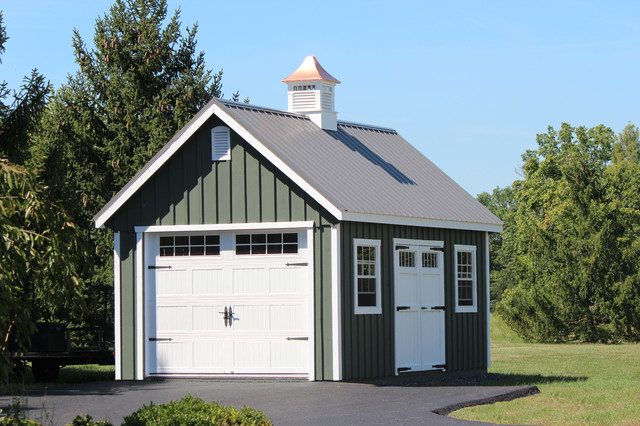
286,403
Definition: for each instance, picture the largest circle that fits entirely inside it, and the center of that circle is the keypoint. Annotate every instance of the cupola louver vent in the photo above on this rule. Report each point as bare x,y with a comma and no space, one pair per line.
220,144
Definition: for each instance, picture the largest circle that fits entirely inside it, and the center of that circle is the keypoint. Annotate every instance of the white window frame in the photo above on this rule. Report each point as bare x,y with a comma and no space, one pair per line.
364,310
474,278
217,154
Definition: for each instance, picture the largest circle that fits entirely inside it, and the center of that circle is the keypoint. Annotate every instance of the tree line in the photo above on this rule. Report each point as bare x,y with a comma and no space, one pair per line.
65,152
567,266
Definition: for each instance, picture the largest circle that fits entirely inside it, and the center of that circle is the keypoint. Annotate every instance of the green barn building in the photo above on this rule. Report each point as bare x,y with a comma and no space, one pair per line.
267,243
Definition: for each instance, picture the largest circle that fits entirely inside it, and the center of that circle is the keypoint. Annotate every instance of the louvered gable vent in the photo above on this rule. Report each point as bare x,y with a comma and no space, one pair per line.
220,144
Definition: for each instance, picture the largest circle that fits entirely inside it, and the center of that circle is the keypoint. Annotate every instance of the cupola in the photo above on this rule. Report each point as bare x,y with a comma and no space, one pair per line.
311,92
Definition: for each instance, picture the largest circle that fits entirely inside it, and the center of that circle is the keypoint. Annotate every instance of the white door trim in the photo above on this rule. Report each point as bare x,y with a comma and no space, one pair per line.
426,244
146,277
139,296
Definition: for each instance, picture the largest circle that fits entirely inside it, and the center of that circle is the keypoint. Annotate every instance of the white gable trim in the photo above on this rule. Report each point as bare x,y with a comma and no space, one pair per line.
427,223
230,121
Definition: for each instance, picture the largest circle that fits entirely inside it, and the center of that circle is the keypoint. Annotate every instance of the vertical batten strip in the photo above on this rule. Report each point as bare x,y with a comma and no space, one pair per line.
139,351
117,319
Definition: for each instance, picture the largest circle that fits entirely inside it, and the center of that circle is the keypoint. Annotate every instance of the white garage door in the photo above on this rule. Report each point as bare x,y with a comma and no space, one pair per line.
229,303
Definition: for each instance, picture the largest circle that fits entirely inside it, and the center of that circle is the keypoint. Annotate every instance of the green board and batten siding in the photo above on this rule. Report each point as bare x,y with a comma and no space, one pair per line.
368,340
190,189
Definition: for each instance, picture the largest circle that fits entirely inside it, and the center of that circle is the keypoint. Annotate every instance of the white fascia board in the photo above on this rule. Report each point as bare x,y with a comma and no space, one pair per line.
153,167
117,306
276,161
272,226
423,243
427,223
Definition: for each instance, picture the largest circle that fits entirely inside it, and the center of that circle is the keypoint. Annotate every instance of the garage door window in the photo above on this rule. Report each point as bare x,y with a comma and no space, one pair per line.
262,243
190,245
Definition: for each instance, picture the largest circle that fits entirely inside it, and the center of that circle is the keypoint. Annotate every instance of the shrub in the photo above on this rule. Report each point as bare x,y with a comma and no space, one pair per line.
194,411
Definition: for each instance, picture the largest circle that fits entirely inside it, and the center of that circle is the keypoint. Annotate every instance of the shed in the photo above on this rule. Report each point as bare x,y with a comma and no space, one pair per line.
268,243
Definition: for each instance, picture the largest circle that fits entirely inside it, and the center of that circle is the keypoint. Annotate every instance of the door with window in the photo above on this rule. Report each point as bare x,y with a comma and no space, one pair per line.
229,303
419,306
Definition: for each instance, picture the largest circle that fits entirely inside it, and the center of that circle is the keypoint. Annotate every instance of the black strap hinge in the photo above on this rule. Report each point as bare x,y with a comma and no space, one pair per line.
402,308
437,249
403,369
443,366
402,247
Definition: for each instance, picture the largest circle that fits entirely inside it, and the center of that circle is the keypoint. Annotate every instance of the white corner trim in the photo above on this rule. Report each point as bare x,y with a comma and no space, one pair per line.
117,306
311,311
139,306
427,223
276,161
153,167
336,307
226,227
488,292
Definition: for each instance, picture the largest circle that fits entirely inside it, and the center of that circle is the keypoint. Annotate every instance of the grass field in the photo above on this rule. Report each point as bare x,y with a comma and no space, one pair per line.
579,383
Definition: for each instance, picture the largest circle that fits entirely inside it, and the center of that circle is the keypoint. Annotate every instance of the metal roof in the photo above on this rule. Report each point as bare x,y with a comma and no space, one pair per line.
359,172
363,169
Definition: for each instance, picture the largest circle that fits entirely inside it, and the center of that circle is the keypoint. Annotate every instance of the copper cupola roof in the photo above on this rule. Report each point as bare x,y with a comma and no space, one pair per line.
310,70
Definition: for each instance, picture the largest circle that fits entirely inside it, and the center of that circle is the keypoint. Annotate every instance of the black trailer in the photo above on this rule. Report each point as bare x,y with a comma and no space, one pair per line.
55,345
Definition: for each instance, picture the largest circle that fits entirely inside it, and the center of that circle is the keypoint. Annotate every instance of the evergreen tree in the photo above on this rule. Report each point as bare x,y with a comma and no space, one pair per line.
576,241
135,88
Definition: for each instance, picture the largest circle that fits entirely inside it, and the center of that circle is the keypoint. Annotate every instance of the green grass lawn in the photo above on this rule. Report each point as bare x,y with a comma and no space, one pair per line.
579,383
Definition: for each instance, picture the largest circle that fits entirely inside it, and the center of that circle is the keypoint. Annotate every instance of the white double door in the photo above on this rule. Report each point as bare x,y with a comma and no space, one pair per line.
245,315
419,306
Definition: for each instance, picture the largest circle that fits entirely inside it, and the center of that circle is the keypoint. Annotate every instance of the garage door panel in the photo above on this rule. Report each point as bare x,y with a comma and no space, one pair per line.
250,317
172,282
251,355
210,356
208,318
173,318
287,317
289,355
209,282
287,280
174,355
249,281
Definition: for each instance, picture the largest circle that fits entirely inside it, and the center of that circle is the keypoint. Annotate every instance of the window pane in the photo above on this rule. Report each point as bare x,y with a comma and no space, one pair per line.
197,240
213,250
166,251
258,238
182,251
197,251
274,238
290,248
243,239
258,249
213,239
166,241
290,238
182,240
366,300
243,249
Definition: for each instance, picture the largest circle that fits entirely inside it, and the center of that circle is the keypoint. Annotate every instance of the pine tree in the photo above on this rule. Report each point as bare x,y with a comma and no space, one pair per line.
133,90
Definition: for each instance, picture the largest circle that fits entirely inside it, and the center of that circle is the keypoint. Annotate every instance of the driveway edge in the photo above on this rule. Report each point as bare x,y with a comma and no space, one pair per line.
508,396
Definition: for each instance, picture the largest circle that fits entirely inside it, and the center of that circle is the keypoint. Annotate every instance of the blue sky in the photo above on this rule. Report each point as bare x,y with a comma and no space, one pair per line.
469,83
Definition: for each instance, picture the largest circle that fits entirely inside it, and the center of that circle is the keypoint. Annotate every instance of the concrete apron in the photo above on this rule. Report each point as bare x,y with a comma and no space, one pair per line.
286,403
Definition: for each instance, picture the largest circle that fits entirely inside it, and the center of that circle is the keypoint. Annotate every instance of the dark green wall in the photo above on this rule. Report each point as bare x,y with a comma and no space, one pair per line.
191,189
368,340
